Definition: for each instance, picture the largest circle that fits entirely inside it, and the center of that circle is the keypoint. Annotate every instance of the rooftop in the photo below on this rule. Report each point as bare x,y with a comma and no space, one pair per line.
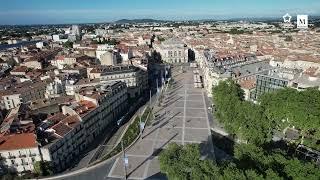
22,87
248,84
173,42
18,141
61,129
283,73
84,107
114,69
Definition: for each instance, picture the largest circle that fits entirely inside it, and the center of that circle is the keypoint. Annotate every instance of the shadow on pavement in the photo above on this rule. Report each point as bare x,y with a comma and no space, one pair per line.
155,153
157,176
163,124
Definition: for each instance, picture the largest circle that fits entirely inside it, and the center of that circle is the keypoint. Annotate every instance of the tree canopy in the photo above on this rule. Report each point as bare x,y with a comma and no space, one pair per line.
183,162
298,109
42,168
278,110
244,119
253,123
68,44
251,162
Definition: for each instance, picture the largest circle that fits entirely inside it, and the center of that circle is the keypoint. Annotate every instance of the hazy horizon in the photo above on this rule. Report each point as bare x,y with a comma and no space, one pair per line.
28,12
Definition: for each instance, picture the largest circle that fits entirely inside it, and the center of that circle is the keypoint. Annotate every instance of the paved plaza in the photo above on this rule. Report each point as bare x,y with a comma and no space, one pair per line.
182,118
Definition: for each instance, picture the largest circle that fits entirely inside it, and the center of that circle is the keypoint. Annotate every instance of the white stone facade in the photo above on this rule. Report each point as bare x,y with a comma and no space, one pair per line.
173,51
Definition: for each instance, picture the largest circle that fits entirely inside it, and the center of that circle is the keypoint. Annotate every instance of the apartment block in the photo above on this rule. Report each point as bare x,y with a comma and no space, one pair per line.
95,110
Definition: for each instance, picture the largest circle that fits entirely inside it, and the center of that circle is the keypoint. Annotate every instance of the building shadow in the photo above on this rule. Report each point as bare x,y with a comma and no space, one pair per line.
224,143
157,176
160,126
170,102
154,153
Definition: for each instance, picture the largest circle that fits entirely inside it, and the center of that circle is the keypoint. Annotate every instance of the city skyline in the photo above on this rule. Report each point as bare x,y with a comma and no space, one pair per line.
60,12
167,89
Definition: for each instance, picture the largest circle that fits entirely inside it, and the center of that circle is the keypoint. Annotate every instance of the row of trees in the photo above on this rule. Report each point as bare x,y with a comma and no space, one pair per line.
106,41
251,162
68,44
241,118
289,107
255,123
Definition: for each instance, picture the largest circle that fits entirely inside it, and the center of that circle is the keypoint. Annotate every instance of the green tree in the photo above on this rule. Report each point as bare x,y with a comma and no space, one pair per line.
184,162
231,172
250,162
68,44
244,119
227,97
297,170
42,168
273,164
289,107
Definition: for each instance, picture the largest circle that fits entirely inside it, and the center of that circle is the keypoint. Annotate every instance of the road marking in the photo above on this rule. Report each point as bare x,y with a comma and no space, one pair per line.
191,116
191,94
208,124
134,155
121,177
112,169
189,84
180,127
146,169
190,100
195,142
184,115
195,128
187,107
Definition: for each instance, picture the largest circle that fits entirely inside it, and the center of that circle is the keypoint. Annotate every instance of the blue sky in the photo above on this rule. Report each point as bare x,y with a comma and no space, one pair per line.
82,11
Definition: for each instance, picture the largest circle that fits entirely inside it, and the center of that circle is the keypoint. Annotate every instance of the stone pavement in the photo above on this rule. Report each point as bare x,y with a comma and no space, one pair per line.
183,119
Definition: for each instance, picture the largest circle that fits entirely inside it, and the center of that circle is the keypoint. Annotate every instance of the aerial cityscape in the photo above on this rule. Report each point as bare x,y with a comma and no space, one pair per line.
183,90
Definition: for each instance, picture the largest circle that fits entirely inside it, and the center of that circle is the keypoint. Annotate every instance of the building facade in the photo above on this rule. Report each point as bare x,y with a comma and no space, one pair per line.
19,152
135,78
279,78
69,133
22,93
173,51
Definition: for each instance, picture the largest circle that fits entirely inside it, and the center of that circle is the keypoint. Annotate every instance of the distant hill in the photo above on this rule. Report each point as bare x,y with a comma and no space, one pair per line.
125,21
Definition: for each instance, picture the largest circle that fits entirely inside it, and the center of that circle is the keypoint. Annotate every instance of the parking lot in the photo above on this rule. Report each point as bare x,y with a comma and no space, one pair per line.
182,118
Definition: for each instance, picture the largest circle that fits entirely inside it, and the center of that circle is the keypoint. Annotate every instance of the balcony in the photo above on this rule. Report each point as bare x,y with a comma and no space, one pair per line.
32,154
24,163
12,157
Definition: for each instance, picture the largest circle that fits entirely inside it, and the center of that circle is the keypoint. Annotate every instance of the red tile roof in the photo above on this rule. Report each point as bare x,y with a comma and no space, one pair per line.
60,58
18,141
248,84
61,129
71,121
